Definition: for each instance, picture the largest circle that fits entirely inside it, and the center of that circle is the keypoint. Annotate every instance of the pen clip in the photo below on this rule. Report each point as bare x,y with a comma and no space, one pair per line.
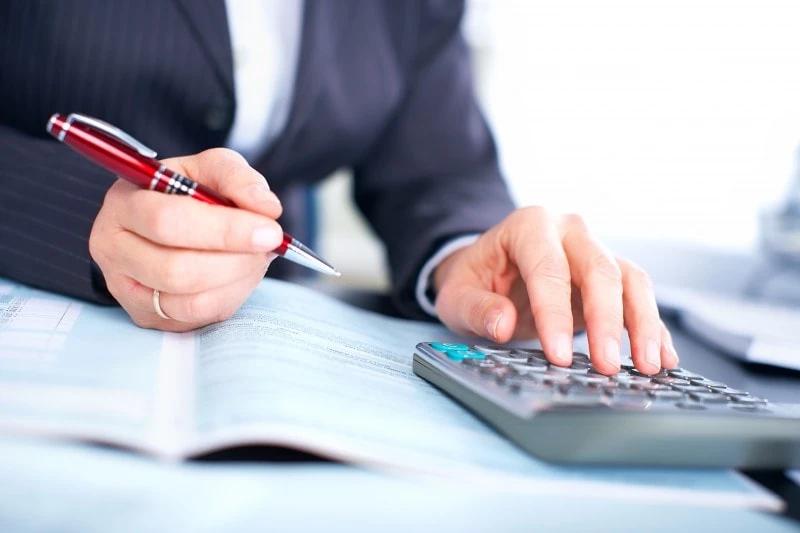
113,132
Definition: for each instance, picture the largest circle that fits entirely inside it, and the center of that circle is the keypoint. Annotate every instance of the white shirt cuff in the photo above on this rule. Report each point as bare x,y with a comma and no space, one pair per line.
424,278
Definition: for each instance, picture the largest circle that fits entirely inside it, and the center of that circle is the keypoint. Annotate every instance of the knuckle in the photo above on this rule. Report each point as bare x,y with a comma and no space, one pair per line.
551,269
605,268
574,222
224,155
639,275
530,213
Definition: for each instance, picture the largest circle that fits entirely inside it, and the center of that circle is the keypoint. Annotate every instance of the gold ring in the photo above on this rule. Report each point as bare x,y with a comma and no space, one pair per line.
157,305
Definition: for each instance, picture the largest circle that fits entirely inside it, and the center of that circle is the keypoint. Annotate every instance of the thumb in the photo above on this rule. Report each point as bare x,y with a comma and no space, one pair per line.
476,311
229,174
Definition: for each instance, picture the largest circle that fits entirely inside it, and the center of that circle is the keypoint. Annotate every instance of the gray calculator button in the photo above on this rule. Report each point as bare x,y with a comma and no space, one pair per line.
527,352
691,405
570,369
709,397
749,400
708,383
666,394
634,380
733,392
492,348
660,374
590,379
506,359
479,363
524,368
673,381
690,388
580,356
652,387
682,373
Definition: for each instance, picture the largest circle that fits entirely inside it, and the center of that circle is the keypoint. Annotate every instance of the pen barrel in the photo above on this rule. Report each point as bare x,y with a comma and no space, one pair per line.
125,162
104,151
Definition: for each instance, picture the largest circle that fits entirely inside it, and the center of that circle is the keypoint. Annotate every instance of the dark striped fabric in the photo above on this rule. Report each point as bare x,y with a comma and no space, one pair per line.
383,87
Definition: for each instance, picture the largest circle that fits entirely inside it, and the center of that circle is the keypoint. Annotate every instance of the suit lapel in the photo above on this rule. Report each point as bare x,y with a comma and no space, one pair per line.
209,23
324,22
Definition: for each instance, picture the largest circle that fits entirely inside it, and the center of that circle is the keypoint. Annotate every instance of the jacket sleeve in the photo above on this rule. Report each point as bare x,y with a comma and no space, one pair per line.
49,197
434,174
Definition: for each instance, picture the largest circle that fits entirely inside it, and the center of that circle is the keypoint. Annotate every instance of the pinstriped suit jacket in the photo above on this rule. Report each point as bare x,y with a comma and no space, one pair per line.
383,87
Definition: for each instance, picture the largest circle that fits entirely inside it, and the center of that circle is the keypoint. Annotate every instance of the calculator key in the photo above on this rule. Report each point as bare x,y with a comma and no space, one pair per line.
661,374
492,348
709,397
447,346
637,380
732,392
749,400
473,354
673,381
690,405
454,355
527,352
690,388
570,369
524,368
666,394
708,383
590,379
682,373
651,387
479,363
580,356
506,359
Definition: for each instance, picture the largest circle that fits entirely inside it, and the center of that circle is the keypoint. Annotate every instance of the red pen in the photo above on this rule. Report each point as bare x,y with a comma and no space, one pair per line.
120,153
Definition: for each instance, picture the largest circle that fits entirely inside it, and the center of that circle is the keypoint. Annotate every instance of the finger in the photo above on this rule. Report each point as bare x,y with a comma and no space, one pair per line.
228,173
669,355
595,272
179,221
210,306
190,311
641,318
534,246
471,310
181,271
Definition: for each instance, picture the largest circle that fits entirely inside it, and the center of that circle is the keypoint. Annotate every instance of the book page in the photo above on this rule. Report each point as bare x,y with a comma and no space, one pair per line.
299,369
74,369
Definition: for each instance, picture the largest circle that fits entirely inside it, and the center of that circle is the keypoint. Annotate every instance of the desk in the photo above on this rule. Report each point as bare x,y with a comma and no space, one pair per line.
75,487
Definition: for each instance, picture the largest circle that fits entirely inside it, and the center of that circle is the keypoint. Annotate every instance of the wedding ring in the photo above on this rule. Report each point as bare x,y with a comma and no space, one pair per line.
157,305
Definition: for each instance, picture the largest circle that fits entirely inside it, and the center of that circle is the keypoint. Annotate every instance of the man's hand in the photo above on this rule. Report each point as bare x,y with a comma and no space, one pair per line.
204,259
535,275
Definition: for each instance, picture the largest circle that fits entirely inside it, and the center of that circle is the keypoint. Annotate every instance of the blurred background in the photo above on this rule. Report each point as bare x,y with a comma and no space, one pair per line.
676,121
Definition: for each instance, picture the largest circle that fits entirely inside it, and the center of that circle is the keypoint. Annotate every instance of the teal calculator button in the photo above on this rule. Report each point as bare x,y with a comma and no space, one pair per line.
449,346
473,354
455,355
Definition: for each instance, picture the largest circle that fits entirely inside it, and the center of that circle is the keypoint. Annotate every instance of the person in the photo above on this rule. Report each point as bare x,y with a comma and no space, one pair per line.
298,89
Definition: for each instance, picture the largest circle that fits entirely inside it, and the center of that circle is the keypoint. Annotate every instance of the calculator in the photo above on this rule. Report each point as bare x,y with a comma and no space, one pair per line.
577,415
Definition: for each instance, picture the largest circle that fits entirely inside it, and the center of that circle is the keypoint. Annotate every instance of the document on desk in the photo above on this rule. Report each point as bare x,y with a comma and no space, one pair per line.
292,368
748,330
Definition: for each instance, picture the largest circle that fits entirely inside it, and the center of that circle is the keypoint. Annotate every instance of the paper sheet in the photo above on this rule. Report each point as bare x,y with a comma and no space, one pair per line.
293,368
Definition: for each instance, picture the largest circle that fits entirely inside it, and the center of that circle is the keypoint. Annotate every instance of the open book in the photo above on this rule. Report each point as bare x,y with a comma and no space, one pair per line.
292,368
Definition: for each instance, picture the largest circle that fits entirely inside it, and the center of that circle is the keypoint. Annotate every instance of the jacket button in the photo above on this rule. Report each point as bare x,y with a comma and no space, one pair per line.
217,117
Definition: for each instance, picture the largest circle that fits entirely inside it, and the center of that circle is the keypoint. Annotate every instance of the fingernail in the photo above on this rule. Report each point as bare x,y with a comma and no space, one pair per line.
493,322
652,354
564,349
260,193
611,353
266,238
674,353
